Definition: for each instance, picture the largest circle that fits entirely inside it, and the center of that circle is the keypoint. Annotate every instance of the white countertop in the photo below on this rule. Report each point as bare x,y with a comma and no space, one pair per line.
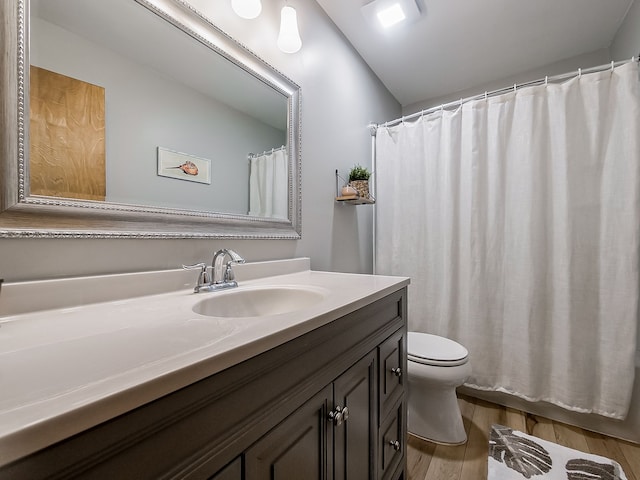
64,370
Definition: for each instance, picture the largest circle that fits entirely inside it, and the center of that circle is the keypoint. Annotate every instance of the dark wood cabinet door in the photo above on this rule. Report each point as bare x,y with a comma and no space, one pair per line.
355,437
299,447
392,372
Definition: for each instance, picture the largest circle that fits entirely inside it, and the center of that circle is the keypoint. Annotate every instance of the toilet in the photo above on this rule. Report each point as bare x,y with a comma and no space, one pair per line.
436,366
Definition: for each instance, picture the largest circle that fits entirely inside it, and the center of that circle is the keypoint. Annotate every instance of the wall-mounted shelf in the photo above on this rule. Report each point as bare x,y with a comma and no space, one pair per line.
355,200
351,199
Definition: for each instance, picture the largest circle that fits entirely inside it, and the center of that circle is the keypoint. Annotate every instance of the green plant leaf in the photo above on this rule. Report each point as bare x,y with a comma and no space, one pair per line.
359,173
518,453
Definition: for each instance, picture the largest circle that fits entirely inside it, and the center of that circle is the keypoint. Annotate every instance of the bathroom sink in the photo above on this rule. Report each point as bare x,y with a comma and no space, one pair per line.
259,301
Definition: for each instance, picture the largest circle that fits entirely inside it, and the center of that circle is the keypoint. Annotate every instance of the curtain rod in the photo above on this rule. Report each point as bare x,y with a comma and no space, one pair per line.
457,103
251,155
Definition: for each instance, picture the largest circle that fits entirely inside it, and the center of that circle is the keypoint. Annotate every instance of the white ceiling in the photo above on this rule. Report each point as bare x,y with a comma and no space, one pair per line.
457,44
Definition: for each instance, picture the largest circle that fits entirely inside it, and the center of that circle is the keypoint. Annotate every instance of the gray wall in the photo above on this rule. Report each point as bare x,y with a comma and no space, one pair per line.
145,109
626,43
340,96
593,59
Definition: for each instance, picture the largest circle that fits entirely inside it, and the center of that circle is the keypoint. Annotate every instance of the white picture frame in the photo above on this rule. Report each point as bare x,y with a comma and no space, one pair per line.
183,166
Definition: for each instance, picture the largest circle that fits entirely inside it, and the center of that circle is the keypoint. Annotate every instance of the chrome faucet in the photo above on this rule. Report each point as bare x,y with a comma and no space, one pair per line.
222,275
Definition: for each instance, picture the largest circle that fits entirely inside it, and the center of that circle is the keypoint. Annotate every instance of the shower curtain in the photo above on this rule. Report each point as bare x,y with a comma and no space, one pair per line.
517,219
269,184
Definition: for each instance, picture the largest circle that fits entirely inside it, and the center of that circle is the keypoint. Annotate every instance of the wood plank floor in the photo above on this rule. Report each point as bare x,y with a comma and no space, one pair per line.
428,461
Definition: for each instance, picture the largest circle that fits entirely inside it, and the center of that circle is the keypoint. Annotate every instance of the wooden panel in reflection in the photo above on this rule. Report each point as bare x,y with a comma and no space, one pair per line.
67,144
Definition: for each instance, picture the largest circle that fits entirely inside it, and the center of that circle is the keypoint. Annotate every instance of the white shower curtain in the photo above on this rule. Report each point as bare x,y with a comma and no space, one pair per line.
269,184
517,219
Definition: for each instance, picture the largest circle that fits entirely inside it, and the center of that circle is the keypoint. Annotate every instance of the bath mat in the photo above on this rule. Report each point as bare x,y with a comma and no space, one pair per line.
514,455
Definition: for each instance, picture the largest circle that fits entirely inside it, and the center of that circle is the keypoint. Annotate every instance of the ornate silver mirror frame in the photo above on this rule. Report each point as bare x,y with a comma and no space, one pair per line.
23,215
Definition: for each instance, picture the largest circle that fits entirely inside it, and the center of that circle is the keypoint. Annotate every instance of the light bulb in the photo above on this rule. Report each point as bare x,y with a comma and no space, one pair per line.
289,38
247,8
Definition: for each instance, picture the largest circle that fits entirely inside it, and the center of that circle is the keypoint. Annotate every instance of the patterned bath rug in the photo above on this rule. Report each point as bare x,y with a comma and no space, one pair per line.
514,455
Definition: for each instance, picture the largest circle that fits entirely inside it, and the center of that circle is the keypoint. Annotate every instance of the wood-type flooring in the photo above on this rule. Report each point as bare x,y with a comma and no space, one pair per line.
429,461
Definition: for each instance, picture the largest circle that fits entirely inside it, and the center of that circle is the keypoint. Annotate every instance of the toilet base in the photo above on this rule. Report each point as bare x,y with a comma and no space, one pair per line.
433,413
431,440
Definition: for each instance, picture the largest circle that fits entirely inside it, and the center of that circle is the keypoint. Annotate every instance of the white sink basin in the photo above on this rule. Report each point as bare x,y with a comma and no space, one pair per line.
259,301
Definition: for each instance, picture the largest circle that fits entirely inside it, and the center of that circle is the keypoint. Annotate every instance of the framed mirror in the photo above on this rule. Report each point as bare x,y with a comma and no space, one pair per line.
140,118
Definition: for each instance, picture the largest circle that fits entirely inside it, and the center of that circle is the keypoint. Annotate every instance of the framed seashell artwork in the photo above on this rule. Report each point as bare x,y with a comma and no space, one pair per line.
183,166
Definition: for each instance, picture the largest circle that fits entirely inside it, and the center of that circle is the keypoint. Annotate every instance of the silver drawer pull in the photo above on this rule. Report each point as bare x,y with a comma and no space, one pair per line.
395,444
397,372
339,415
345,414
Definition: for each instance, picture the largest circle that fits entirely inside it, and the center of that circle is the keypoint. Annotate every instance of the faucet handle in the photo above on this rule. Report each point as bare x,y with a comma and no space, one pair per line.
195,266
203,277
228,271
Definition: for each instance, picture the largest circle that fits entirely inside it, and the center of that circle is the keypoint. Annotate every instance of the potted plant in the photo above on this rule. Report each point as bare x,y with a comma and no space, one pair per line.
359,179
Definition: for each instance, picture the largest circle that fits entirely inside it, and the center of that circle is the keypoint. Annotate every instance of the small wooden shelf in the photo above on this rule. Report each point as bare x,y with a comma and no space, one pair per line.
351,199
355,200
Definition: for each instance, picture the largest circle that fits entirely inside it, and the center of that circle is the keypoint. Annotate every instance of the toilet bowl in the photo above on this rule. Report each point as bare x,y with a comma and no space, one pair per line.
436,366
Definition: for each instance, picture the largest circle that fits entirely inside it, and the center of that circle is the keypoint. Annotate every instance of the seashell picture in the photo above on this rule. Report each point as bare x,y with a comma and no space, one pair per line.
183,166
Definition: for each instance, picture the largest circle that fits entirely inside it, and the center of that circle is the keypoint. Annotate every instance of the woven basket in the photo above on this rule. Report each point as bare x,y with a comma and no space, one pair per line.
361,186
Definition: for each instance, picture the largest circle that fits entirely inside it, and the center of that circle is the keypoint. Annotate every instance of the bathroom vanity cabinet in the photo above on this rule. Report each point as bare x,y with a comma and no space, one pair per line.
329,404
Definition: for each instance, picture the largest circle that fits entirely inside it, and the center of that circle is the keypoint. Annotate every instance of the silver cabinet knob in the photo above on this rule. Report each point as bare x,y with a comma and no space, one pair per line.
397,372
395,444
339,415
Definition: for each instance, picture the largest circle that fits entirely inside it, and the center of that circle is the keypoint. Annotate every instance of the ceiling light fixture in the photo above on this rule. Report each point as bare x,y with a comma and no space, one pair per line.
289,38
391,15
388,13
247,8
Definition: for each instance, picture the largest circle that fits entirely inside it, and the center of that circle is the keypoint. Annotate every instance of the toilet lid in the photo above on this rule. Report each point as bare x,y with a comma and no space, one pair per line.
434,350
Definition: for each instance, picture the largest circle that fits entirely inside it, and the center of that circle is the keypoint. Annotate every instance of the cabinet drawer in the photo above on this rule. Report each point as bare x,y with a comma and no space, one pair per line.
391,442
392,371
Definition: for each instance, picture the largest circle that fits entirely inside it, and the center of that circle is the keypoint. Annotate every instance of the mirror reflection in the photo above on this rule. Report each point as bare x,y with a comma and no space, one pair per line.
127,108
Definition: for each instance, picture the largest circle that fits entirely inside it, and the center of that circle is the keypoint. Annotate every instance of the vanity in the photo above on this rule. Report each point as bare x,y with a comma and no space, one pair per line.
293,374
142,386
